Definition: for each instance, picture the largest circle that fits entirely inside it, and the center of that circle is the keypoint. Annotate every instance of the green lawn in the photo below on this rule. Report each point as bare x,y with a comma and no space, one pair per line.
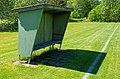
81,44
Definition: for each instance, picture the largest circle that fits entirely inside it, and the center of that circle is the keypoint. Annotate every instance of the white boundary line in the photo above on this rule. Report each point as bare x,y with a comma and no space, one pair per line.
98,56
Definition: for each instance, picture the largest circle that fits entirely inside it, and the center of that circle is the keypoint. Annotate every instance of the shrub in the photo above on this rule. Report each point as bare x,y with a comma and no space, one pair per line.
105,12
8,26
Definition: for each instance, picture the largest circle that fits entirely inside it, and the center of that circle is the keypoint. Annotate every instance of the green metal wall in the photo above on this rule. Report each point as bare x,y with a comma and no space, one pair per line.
60,23
28,23
53,26
44,33
48,26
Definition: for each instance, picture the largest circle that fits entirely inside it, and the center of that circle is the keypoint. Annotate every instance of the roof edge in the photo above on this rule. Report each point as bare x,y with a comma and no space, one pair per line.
40,6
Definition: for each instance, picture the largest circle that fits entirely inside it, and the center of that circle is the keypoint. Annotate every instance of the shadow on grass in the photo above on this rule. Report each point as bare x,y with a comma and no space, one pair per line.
79,60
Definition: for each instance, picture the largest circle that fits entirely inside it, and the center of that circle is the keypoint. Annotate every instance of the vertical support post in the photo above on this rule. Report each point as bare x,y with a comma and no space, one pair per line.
60,46
60,24
29,58
52,47
19,58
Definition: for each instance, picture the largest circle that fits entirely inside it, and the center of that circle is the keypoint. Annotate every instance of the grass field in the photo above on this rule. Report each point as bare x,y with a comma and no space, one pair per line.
81,44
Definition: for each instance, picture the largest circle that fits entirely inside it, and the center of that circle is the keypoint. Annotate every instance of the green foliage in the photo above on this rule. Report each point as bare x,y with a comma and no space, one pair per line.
22,3
94,14
7,16
7,26
107,11
58,2
82,7
5,9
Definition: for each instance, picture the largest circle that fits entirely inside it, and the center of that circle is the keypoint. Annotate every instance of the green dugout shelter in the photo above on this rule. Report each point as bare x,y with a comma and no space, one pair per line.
40,26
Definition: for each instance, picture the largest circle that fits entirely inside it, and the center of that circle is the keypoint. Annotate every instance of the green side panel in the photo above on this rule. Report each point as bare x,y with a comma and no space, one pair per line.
44,33
60,23
28,23
48,27
40,34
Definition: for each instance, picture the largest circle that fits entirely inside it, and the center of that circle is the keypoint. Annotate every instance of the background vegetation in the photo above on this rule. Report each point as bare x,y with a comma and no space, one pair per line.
107,11
84,10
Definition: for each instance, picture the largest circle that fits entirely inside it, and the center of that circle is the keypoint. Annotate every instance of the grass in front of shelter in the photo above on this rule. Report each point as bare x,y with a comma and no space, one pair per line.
83,41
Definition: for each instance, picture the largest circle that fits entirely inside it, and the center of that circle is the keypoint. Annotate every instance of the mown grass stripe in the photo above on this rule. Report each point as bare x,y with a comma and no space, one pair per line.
98,57
81,27
8,57
68,36
83,35
8,44
94,36
7,53
9,50
96,40
7,41
116,65
80,31
7,60
112,57
45,73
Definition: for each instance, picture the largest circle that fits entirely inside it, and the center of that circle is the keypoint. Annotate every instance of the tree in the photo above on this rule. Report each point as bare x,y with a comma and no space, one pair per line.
108,11
22,3
82,7
58,2
5,9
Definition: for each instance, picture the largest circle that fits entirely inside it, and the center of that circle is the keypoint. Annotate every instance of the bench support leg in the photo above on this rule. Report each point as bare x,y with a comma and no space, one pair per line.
52,47
29,58
19,58
60,46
